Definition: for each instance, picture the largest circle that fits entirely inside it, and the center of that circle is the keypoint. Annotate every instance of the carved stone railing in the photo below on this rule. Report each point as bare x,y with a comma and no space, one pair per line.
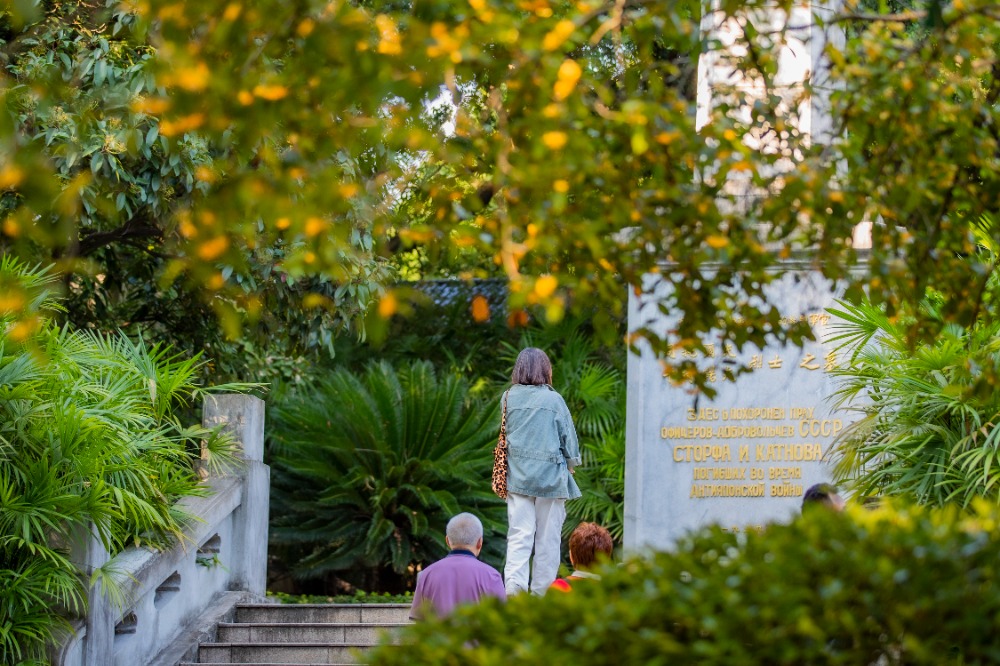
168,594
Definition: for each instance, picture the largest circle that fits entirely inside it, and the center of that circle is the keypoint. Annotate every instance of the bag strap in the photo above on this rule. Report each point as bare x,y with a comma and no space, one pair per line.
503,417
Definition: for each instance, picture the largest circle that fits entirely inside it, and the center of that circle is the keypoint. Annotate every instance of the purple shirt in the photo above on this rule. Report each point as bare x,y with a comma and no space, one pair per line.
456,579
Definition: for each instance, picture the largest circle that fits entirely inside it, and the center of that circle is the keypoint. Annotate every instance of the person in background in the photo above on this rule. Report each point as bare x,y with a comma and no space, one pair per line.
542,452
589,545
458,578
822,494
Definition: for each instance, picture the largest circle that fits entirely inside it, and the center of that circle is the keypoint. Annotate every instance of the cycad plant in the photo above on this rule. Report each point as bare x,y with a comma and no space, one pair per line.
89,441
367,470
929,414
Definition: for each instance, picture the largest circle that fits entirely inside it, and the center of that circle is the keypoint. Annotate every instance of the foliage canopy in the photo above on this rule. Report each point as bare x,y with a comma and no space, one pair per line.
572,158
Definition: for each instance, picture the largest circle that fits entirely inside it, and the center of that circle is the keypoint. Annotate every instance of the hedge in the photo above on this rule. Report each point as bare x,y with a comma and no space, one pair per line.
898,585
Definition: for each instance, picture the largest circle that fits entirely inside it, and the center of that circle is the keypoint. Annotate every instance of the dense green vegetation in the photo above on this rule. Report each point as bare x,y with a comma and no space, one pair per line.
928,416
368,469
90,439
339,468
270,161
890,586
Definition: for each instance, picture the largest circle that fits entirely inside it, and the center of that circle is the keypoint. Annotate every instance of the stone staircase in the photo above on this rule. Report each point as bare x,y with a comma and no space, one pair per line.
301,633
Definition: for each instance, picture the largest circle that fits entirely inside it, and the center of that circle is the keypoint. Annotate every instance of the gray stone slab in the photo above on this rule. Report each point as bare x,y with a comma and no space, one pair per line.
323,613
744,458
274,653
305,633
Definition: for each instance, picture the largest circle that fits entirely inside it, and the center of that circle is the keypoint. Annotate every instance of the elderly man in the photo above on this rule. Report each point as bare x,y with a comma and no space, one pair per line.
458,578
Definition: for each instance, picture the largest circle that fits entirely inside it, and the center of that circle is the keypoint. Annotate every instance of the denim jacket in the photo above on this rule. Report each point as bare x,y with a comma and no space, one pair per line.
541,443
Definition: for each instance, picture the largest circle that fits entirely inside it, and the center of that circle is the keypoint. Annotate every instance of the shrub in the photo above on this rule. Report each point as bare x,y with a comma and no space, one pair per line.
929,415
89,439
896,585
367,470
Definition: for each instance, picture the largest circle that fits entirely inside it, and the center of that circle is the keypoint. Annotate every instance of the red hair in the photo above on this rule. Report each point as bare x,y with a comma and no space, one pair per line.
588,543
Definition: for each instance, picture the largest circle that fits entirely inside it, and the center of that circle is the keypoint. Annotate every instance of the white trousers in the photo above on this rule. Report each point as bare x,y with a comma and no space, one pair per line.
533,522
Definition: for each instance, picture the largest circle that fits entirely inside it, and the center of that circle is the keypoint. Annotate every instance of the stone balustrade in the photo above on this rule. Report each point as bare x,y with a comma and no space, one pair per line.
170,597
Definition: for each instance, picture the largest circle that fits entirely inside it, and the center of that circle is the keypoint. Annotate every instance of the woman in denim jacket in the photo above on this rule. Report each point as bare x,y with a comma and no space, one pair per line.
542,451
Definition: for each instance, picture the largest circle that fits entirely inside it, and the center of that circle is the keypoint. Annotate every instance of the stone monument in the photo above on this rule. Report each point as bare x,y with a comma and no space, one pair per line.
746,457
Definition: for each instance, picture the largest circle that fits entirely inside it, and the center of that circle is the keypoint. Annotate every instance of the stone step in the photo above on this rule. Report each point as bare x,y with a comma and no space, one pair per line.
279,653
323,613
304,632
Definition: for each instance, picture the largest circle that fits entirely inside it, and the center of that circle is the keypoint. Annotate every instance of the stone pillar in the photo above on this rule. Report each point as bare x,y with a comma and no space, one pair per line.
88,553
243,417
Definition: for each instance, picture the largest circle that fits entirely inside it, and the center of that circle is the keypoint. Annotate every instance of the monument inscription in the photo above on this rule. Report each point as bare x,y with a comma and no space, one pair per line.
746,457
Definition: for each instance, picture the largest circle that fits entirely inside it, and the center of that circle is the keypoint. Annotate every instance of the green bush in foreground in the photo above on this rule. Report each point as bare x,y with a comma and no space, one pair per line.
893,586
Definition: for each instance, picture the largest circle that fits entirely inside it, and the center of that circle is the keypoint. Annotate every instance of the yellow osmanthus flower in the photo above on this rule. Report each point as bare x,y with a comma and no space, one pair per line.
539,7
315,226
271,93
306,27
181,125
388,306
388,36
188,230
11,301
568,76
213,249
518,319
561,186
244,97
482,11
10,176
11,228
837,196
193,79
282,223
546,285
22,329
717,242
480,308
315,300
555,140
233,11
559,34
445,43
173,12
216,281
309,257
204,174
152,106
348,190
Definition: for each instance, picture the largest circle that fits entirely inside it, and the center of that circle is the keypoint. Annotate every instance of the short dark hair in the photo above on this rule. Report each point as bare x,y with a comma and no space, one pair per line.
532,367
821,493
587,543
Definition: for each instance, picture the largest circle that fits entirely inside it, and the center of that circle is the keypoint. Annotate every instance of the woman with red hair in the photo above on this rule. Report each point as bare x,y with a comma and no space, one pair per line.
589,545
